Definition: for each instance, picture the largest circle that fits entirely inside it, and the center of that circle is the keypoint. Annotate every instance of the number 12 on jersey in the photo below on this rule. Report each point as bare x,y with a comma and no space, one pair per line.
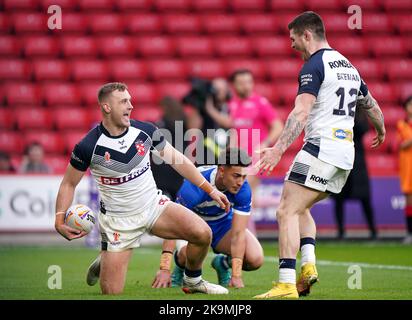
351,105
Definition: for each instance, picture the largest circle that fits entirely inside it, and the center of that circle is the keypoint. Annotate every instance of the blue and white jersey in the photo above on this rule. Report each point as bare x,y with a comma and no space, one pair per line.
121,166
336,84
197,200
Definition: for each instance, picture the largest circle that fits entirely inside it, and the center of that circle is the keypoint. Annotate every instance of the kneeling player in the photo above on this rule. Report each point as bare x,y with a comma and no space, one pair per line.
239,248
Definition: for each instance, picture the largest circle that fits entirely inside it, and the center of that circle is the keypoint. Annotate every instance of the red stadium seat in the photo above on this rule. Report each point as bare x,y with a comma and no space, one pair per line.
22,94
89,70
30,22
366,5
387,46
57,164
121,69
167,70
33,118
9,46
52,142
382,164
272,46
321,6
255,66
349,46
21,5
382,92
393,114
283,20
5,24
376,23
74,23
66,5
156,46
46,69
71,118
287,92
142,94
147,113
11,142
290,5
233,46
220,23
112,46
90,5
397,5
73,137
61,93
131,5
284,164
76,46
106,23
258,23
405,90
14,69
207,69
248,5
369,69
88,92
172,6
194,46
142,23
402,23
367,142
399,69
176,90
182,23
336,22
210,5
41,46
284,68
7,119
268,90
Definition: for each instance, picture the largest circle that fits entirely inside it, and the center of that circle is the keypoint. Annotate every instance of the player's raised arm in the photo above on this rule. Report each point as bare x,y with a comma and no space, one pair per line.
294,125
374,113
188,170
65,196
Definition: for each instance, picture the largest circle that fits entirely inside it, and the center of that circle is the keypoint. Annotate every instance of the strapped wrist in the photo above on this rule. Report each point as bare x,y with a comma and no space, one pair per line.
166,260
237,264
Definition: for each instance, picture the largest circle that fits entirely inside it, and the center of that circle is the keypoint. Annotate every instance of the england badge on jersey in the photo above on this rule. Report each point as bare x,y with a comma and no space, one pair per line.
140,147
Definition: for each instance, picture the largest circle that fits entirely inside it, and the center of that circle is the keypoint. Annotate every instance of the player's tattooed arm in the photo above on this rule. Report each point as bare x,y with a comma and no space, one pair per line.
296,121
373,111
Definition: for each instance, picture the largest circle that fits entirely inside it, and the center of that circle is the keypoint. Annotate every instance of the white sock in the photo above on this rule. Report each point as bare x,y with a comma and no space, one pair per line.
287,275
190,280
307,254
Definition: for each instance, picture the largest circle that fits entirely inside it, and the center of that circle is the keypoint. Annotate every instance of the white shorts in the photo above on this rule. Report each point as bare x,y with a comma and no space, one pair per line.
121,233
309,171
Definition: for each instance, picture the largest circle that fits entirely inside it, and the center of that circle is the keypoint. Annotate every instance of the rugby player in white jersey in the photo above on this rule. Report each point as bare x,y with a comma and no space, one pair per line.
330,88
117,151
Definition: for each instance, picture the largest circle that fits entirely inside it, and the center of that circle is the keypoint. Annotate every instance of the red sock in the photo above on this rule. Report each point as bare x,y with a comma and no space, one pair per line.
408,211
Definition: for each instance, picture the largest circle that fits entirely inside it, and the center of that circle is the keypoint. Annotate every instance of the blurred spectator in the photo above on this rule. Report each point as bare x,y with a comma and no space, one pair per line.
405,164
209,100
167,179
34,160
357,186
5,163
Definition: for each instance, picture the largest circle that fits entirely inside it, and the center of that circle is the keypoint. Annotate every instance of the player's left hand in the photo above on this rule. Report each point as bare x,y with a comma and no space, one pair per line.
221,199
236,282
162,279
378,140
270,158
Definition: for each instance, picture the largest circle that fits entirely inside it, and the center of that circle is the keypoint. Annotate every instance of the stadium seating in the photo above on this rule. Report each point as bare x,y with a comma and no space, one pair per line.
74,23
210,5
116,46
51,141
11,142
73,118
194,46
164,70
182,24
106,23
7,119
14,69
9,46
125,69
30,22
146,23
254,24
89,70
220,24
46,69
41,46
205,68
156,46
232,46
77,46
61,93
255,66
24,93
33,118
271,46
57,163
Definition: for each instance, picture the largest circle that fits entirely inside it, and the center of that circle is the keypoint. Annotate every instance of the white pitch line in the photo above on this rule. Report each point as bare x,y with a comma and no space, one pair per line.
318,262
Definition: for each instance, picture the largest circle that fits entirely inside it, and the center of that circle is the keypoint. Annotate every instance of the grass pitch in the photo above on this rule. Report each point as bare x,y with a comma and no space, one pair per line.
386,273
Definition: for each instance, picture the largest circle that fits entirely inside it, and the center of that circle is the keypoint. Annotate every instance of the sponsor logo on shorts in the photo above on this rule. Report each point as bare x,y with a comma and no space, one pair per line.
318,179
116,238
163,201
341,134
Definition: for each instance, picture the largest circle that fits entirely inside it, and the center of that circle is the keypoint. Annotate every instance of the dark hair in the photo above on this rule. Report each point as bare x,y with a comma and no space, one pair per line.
407,101
32,145
234,157
308,20
108,88
239,72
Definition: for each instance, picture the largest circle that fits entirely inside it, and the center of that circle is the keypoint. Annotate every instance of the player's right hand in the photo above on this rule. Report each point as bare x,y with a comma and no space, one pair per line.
221,199
162,279
378,140
236,282
68,232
